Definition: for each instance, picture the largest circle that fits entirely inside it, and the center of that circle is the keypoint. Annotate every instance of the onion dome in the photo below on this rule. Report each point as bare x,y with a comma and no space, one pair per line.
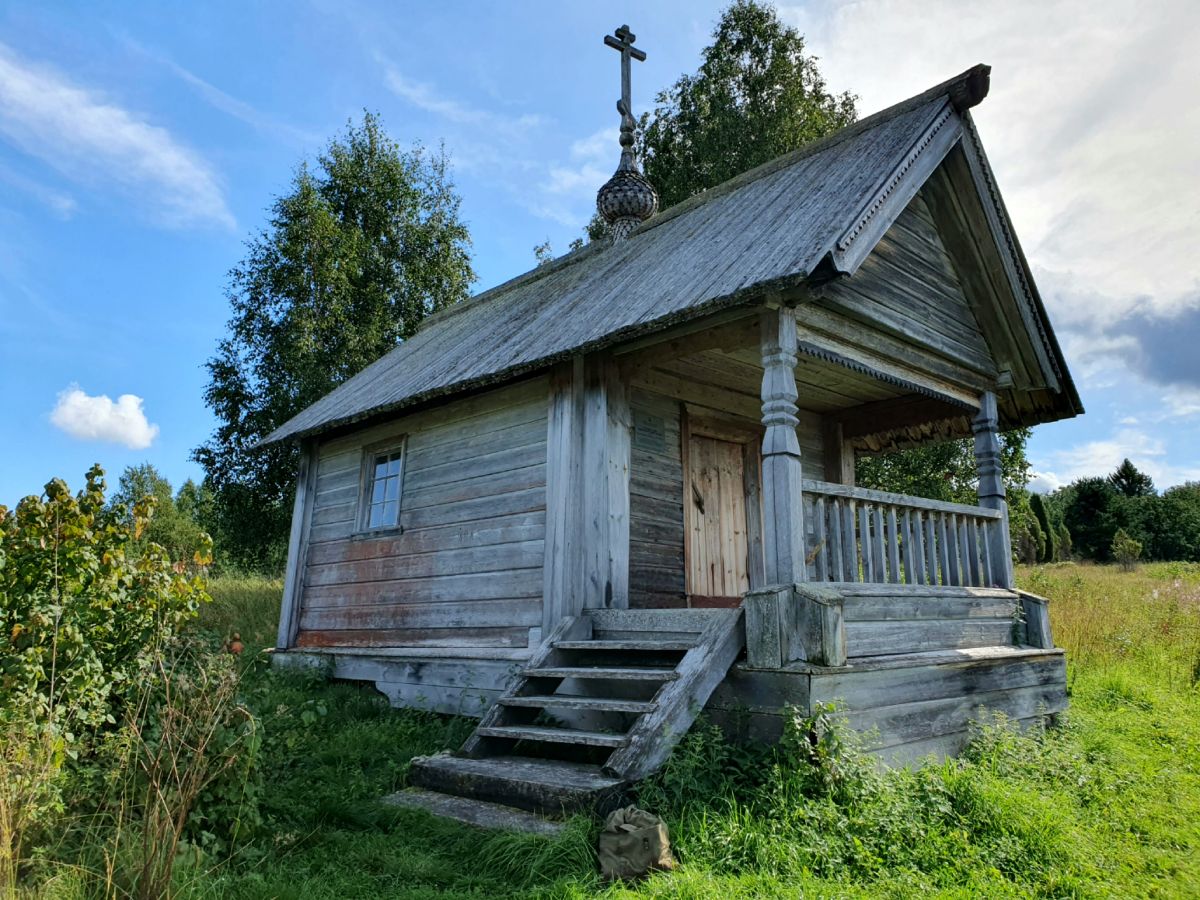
628,198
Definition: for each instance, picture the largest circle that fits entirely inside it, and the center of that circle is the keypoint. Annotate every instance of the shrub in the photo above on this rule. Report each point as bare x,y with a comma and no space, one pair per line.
84,616
1126,550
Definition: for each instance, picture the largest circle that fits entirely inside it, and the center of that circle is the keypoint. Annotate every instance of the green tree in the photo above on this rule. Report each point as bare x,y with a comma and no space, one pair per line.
757,95
1171,523
1038,506
1091,515
356,254
1131,481
946,470
1063,545
1125,550
176,525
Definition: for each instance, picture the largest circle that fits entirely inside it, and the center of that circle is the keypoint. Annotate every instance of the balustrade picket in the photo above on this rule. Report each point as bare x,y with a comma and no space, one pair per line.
870,536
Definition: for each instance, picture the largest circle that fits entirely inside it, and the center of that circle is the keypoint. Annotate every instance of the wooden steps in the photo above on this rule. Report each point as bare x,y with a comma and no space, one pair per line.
601,704
565,701
553,735
596,673
626,645
549,786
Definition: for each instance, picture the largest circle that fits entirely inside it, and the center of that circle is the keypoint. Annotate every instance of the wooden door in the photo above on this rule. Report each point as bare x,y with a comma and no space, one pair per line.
715,504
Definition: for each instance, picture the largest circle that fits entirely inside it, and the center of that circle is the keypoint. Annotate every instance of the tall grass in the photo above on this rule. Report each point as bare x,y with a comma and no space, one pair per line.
1108,619
246,605
1105,805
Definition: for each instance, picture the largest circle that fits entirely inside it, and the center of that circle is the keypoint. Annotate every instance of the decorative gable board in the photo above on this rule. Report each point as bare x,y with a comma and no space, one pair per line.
908,286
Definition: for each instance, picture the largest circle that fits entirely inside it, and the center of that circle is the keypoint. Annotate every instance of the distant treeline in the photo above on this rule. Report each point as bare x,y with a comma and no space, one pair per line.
1082,519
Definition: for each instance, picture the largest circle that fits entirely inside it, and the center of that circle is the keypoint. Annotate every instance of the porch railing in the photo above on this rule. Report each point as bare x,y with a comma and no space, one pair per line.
855,534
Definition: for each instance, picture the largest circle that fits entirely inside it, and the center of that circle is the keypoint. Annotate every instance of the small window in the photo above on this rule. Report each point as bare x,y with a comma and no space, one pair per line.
384,476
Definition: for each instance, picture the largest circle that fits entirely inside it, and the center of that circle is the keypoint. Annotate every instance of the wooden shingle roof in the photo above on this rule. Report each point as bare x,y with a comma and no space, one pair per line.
766,230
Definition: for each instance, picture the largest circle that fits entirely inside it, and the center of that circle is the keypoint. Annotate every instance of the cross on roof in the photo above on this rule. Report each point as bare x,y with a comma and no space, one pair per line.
622,39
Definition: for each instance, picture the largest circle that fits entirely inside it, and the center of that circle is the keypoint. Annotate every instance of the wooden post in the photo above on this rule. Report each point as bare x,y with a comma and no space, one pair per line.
293,581
839,456
564,442
991,488
783,512
587,491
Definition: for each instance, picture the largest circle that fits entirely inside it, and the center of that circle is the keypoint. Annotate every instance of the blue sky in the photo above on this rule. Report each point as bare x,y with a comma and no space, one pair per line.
141,143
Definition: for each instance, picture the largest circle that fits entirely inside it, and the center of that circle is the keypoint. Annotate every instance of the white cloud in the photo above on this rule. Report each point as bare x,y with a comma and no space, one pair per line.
1044,482
568,194
505,147
219,99
92,140
100,419
1091,125
1100,457
425,96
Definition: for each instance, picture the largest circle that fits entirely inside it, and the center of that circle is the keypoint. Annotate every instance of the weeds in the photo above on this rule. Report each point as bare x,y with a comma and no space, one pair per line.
1104,805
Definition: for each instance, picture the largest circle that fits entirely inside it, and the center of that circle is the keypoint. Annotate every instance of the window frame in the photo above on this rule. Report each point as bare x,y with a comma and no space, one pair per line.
371,454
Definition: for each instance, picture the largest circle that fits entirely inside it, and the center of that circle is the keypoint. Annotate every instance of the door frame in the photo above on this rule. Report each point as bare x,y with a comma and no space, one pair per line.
703,422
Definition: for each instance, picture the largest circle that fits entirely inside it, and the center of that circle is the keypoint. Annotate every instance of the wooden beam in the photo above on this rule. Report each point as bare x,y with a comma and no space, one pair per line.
293,582
881,416
839,453
727,331
564,441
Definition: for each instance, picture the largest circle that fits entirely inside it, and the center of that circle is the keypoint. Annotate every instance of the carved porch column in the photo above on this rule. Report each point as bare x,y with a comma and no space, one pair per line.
991,487
783,511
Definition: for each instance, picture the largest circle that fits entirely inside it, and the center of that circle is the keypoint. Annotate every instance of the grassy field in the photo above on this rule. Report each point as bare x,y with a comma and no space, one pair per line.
1107,805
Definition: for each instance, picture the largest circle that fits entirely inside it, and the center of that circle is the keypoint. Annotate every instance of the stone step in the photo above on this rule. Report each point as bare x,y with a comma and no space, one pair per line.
479,813
566,701
553,735
602,644
550,786
614,673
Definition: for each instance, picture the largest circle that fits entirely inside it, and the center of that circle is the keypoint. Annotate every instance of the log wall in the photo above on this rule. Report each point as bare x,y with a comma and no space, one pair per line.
464,567
656,522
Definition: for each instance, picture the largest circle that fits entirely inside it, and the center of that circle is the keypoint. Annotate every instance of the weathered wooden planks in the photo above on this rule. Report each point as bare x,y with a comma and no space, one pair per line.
526,612
915,704
656,528
472,528
878,638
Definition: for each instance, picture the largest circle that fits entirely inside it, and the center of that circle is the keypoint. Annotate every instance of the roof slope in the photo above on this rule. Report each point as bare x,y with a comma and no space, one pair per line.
766,229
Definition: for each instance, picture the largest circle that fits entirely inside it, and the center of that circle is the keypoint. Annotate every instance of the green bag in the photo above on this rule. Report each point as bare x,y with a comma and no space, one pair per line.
634,843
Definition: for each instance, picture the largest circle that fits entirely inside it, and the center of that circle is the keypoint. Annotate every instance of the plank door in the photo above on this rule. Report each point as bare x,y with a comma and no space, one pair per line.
715,504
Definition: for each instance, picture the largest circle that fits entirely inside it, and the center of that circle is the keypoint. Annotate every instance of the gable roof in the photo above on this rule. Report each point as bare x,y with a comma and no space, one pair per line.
767,230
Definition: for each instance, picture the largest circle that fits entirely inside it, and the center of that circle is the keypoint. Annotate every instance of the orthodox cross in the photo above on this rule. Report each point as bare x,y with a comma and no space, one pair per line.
622,40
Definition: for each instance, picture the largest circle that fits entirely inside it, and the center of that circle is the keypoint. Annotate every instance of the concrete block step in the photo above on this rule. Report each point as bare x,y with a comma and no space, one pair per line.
479,813
550,786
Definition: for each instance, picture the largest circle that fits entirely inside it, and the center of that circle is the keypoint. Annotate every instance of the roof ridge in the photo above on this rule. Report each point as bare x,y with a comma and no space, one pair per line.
965,90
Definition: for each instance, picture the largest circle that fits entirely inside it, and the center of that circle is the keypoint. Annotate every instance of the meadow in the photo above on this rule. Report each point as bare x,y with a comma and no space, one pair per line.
1106,804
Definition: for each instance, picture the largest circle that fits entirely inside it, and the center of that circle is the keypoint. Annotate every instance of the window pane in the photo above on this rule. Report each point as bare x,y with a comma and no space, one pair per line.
392,492
391,513
381,467
376,520
377,492
394,465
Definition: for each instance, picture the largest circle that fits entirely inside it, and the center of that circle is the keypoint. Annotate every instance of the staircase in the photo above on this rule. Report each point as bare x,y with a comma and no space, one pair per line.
599,706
